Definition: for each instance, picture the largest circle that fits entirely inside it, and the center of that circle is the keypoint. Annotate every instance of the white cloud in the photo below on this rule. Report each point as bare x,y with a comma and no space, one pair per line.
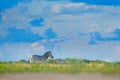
80,49
16,51
118,49
58,7
67,20
37,46
79,8
20,16
83,7
74,5
4,18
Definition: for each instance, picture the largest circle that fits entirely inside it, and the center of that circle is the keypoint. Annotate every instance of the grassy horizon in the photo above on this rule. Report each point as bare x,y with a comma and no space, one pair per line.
70,66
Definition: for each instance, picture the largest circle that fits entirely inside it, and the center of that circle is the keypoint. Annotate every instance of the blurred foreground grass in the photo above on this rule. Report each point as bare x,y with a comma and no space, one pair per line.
70,66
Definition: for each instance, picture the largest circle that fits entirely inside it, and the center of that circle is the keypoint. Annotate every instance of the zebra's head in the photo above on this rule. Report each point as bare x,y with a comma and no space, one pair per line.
49,54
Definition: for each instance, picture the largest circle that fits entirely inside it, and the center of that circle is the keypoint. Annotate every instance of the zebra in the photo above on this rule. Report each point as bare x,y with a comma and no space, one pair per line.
40,58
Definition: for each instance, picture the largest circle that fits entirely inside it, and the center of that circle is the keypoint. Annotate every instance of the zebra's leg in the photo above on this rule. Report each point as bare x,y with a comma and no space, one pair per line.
29,61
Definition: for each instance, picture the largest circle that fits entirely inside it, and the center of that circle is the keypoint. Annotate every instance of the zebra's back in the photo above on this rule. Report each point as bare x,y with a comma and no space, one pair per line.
37,58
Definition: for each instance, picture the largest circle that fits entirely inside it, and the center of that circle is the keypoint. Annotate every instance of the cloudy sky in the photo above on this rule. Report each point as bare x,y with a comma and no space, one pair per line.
83,29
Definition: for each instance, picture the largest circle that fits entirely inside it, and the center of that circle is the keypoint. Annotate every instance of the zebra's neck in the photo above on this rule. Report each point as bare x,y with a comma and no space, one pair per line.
45,56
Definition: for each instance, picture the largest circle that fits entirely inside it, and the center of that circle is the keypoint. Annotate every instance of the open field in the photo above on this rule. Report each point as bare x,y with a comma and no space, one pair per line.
72,69
68,67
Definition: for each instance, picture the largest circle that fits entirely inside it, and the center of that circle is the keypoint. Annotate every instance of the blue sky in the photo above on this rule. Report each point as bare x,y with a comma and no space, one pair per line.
83,29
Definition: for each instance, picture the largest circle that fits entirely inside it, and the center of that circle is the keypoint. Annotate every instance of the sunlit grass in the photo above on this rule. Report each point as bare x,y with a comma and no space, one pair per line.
91,67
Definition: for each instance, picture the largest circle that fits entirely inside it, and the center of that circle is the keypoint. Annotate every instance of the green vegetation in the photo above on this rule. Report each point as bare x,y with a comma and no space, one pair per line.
69,66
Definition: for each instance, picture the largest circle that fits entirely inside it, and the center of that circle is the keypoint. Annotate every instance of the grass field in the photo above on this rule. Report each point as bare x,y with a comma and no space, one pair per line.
70,66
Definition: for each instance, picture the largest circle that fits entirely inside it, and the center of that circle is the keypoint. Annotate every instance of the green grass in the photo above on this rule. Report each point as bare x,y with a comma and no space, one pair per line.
91,67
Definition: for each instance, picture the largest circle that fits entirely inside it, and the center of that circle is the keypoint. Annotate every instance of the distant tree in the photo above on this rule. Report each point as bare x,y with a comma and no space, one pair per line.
84,61
22,61
60,61
50,61
72,61
10,62
116,63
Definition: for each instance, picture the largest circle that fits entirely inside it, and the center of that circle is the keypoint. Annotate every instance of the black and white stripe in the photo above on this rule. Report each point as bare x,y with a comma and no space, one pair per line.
42,58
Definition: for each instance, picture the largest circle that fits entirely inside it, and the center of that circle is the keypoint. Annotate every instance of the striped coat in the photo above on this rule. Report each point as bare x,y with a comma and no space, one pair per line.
42,58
